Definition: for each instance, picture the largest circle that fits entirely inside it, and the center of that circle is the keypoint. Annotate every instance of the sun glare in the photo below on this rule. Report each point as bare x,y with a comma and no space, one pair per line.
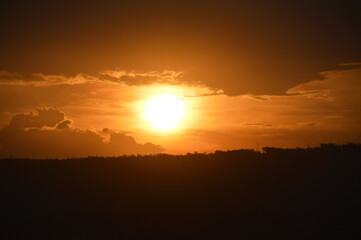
164,112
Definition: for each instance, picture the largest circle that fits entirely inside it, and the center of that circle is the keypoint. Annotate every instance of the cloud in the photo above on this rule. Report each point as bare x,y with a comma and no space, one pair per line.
213,92
351,64
63,125
313,89
7,77
132,78
329,108
318,111
41,79
256,97
45,117
47,135
339,86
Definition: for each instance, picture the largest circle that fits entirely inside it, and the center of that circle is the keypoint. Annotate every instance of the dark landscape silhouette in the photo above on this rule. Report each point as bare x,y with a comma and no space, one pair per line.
311,193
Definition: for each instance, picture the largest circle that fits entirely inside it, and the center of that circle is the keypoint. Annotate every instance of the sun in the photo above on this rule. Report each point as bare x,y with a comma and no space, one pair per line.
164,112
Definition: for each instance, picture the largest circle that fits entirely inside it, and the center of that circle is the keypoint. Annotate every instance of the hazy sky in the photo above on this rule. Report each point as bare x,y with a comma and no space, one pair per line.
283,73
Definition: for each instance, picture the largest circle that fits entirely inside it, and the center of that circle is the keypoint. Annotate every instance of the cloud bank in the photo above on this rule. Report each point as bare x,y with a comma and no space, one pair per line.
322,110
129,78
47,134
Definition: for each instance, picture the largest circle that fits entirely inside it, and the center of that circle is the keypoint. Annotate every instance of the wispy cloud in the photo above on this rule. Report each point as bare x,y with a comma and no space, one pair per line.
351,64
130,78
144,78
41,79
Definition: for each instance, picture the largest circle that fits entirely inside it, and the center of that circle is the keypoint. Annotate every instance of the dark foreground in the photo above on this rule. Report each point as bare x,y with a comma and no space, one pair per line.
281,194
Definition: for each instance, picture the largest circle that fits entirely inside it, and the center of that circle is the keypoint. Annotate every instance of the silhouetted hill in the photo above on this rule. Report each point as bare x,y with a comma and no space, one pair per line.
309,193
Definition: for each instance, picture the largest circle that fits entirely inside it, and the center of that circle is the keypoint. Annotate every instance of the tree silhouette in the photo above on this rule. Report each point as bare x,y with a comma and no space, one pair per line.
288,193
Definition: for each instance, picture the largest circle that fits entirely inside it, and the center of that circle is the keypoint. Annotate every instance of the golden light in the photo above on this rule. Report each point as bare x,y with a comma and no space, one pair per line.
164,112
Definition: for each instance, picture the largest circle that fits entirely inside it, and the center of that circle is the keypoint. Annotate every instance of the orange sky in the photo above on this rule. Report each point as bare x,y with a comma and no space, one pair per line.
76,76
308,114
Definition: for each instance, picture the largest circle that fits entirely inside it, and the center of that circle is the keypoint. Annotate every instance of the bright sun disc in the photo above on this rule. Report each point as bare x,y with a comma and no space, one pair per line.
164,112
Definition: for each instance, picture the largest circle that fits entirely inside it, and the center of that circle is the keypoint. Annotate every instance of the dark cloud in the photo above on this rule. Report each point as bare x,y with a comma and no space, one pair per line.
25,137
215,92
132,78
63,125
45,117
260,47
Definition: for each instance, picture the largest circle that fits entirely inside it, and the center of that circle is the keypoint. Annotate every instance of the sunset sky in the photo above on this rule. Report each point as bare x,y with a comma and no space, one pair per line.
81,78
